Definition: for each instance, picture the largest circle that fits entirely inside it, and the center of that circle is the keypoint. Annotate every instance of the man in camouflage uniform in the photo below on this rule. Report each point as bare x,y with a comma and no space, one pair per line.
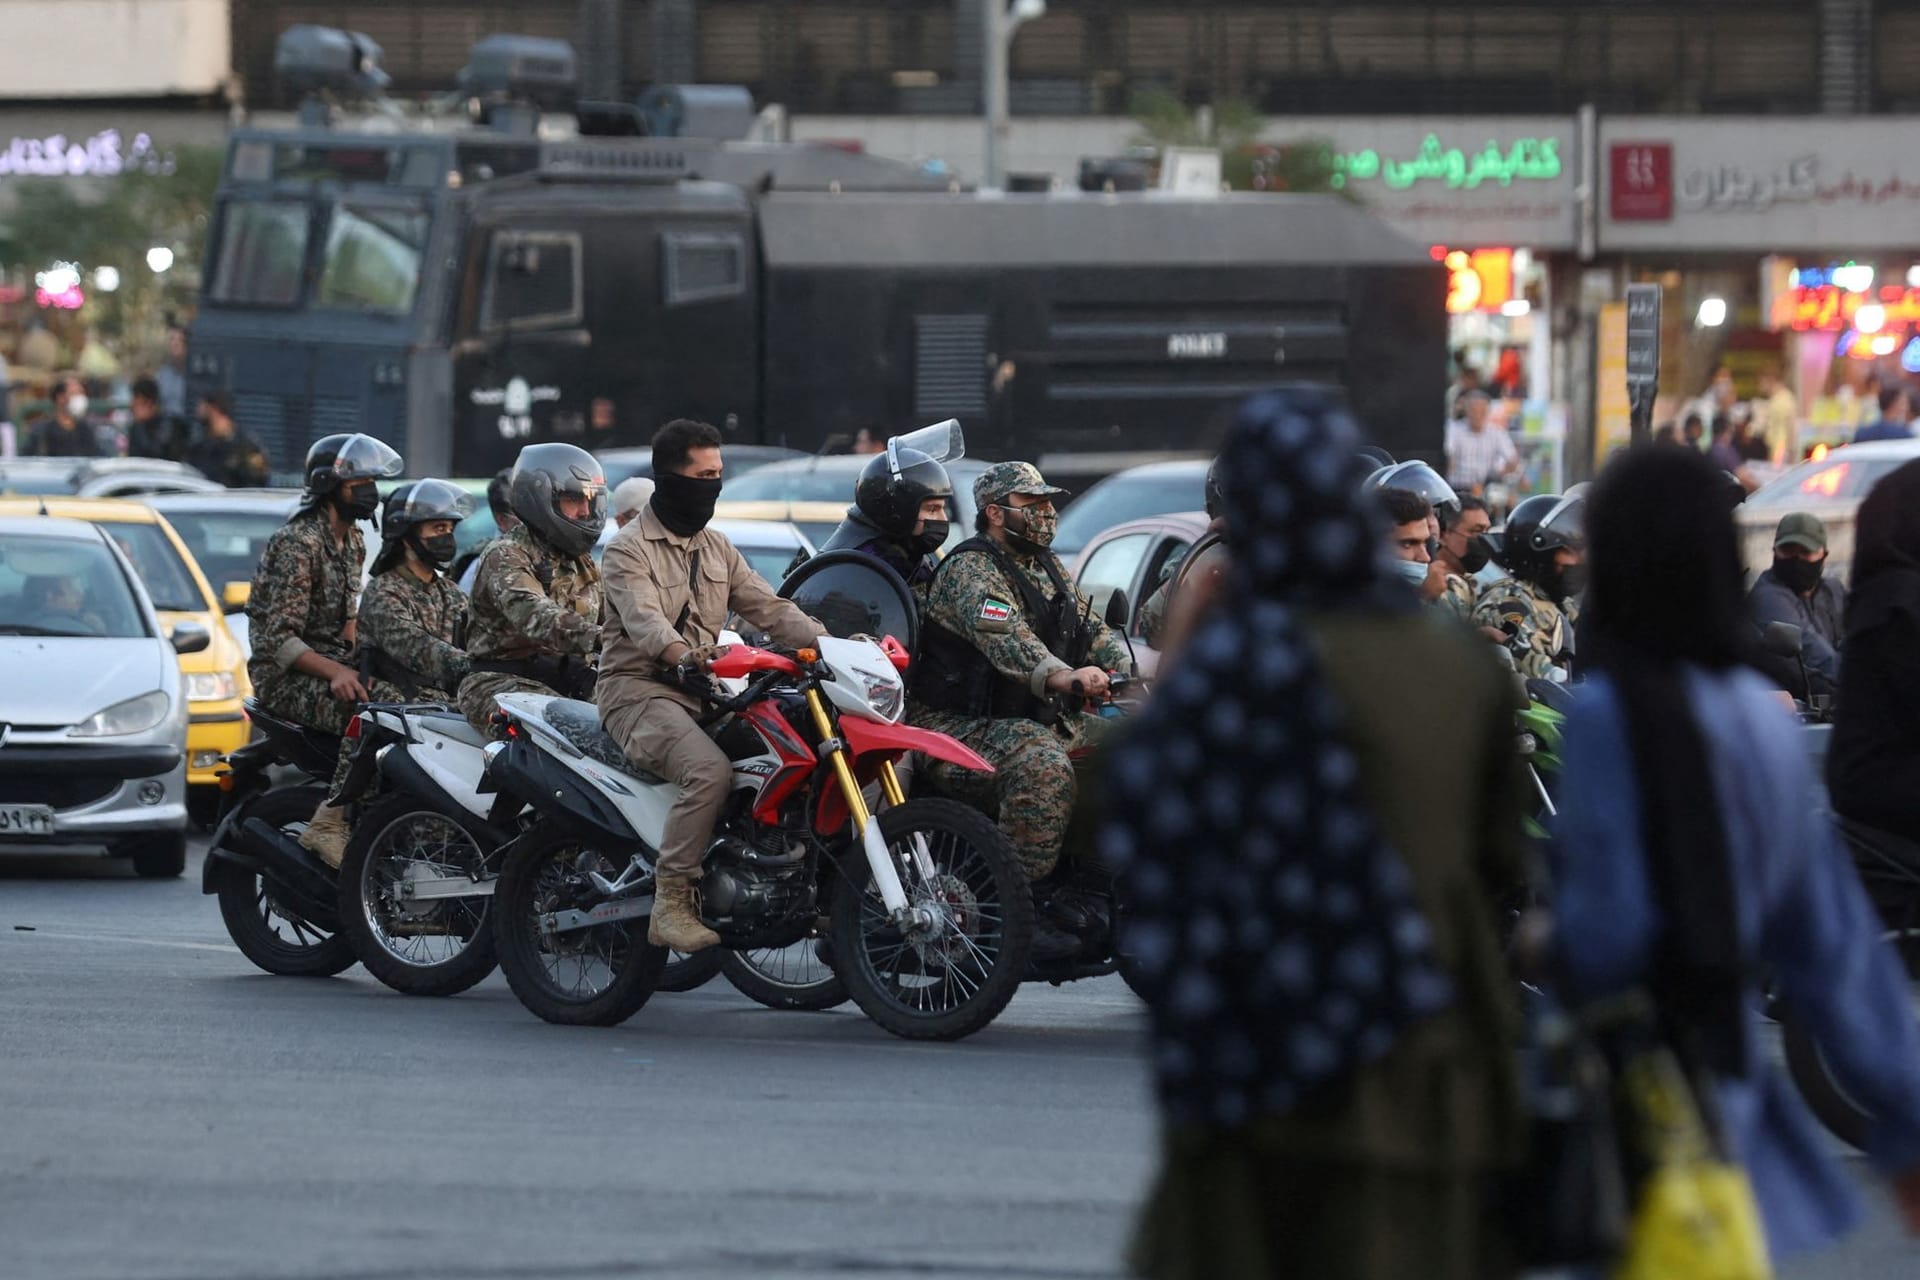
1006,638
1463,554
1544,550
536,592
304,602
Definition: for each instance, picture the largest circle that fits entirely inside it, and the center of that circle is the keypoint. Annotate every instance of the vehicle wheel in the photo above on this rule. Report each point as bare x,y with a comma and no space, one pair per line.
203,807
598,976
266,932
436,948
160,857
947,979
685,972
792,977
1830,1103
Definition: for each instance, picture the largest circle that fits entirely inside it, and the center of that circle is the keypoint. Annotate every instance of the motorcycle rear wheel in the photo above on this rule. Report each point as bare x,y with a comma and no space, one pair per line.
785,977
615,968
686,972
394,835
1835,1108
956,978
276,941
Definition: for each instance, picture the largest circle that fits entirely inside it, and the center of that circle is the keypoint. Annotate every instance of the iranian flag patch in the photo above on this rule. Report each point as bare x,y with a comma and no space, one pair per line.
996,611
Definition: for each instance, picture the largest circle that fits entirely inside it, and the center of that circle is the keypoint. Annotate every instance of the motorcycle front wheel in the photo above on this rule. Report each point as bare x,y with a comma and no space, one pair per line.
437,947
597,976
687,972
794,977
950,973
266,932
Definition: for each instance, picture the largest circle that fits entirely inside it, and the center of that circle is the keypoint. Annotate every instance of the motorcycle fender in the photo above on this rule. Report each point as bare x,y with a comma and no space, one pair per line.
409,774
865,736
221,852
561,795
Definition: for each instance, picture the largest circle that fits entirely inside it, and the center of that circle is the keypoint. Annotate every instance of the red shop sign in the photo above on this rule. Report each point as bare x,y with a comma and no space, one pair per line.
1641,181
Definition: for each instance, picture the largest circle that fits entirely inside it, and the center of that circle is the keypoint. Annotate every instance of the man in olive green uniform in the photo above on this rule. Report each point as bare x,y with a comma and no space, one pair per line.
304,603
536,591
1005,640
671,582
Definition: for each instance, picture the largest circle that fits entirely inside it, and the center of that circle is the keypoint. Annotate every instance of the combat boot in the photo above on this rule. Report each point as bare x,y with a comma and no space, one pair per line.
674,922
327,834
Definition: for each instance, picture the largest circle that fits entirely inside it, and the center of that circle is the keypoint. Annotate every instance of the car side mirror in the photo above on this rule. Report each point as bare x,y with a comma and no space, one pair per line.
1119,609
1781,639
189,637
234,596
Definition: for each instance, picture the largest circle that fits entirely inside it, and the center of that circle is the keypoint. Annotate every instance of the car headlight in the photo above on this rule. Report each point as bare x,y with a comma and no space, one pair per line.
211,686
135,715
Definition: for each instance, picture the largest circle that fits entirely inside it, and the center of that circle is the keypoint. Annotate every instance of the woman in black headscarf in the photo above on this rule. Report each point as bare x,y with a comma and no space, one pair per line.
1312,820
1873,767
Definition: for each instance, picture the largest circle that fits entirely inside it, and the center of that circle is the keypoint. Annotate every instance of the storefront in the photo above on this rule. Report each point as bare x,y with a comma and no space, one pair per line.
1789,243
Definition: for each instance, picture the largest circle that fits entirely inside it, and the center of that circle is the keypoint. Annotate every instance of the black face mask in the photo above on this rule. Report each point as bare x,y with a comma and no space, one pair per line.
1798,576
1567,581
439,549
684,503
358,502
931,539
1476,556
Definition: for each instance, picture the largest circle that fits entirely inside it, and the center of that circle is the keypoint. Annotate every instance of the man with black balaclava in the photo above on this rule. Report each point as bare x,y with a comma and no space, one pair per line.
671,582
899,514
304,605
1797,590
1006,640
536,591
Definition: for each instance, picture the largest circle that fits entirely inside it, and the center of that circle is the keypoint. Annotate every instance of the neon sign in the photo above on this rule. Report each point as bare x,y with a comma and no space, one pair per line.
1827,308
99,156
1526,160
1477,281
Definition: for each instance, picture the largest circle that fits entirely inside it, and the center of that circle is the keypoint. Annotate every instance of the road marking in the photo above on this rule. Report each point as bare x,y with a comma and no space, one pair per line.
138,942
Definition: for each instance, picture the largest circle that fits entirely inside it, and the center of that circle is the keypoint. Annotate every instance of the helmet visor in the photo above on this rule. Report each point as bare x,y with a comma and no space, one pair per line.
437,500
364,458
1567,522
943,442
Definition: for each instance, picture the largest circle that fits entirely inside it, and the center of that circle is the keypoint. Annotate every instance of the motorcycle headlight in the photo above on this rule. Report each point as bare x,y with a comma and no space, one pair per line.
885,696
211,686
135,715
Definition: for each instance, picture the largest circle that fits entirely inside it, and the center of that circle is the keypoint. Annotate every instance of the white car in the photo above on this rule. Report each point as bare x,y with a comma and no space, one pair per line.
93,715
1831,488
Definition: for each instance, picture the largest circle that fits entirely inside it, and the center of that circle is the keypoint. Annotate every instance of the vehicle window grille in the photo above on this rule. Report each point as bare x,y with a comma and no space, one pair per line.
949,366
699,266
533,281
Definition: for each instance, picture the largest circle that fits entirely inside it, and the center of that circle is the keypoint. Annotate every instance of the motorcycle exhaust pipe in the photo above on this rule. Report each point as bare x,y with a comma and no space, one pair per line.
301,882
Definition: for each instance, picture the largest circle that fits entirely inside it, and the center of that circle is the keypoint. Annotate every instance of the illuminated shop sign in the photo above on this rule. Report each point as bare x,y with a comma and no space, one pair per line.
1480,280
1522,160
104,155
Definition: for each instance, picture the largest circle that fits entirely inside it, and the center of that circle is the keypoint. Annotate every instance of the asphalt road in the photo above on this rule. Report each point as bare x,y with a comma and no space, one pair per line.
168,1111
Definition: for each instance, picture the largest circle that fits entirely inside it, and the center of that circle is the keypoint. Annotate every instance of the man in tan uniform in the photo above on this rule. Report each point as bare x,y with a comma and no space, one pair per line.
670,582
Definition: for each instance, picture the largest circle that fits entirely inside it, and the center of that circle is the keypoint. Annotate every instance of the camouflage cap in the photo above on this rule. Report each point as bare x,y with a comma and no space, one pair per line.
1004,478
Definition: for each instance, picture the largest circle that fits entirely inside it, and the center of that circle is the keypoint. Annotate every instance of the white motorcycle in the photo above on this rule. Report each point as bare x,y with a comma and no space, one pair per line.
924,903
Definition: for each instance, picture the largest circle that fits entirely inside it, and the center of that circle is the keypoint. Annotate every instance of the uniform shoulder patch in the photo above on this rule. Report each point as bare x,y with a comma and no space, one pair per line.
992,610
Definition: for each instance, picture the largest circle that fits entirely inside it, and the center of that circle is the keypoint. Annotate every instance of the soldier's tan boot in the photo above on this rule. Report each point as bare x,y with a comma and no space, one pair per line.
327,834
675,923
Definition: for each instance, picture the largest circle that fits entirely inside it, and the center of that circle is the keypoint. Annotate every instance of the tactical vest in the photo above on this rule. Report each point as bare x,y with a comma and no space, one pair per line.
953,675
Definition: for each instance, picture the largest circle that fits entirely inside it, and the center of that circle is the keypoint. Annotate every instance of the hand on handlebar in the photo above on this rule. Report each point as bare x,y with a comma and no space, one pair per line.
1084,682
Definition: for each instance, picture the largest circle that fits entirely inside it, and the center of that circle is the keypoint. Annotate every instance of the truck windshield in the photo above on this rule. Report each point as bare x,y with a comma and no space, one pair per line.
372,259
263,253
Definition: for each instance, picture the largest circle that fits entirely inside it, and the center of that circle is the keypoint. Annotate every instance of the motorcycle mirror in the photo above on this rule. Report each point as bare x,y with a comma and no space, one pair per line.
1782,639
1119,611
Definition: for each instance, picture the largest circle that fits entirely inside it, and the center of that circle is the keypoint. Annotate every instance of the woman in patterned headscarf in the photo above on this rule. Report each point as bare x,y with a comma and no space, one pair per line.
1312,820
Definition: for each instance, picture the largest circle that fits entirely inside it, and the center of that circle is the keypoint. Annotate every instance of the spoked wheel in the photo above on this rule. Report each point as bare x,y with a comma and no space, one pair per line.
599,975
266,932
1844,1116
685,971
952,969
795,977
402,855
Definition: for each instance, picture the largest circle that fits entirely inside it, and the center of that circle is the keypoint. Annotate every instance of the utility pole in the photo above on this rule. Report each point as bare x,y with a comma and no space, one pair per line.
998,22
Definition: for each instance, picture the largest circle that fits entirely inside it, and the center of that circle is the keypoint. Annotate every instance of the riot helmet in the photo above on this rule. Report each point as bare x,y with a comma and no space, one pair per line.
1418,477
336,463
545,473
412,505
1539,527
1216,498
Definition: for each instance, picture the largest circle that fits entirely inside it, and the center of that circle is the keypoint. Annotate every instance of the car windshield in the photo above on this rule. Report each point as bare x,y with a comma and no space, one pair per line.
64,587
158,562
262,254
1121,498
372,259
786,482
226,544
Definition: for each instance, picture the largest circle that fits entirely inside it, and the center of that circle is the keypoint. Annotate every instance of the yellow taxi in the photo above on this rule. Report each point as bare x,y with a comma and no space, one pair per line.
216,677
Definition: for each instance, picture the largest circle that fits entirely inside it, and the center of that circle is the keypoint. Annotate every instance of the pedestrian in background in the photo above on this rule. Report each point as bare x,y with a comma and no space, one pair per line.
1797,590
171,377
151,431
1477,452
1692,853
1896,416
67,432
224,453
1310,885
630,498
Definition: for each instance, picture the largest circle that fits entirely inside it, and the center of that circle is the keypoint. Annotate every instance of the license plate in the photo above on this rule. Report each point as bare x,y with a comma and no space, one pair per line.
26,820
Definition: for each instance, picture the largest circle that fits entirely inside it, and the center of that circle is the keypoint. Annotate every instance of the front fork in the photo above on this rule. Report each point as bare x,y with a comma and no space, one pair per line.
886,876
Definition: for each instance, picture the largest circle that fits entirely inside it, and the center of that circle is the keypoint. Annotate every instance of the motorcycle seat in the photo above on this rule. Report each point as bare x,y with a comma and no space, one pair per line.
579,723
306,748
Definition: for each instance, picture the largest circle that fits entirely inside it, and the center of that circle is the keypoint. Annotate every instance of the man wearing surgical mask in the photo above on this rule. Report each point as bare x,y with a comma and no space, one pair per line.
1410,542
68,433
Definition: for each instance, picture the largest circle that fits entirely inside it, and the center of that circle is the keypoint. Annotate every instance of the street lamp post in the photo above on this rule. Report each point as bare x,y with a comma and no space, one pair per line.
998,23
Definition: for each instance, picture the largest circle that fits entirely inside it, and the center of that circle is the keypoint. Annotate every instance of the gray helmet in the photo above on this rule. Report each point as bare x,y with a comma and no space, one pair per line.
545,472
1418,477
417,502
338,459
